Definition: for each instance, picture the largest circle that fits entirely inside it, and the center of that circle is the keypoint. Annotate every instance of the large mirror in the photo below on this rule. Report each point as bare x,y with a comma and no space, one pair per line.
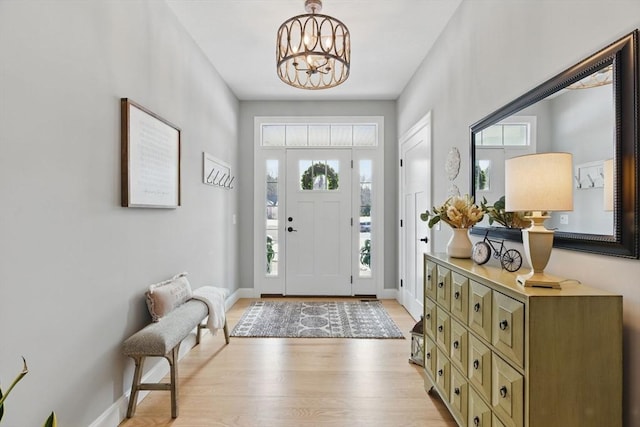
591,111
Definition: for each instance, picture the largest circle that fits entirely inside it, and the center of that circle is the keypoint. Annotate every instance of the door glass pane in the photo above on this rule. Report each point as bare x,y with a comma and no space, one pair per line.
364,135
319,175
515,135
364,170
273,135
296,136
341,135
272,218
319,135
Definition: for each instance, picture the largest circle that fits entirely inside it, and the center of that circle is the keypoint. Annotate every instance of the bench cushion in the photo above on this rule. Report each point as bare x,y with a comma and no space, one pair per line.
157,339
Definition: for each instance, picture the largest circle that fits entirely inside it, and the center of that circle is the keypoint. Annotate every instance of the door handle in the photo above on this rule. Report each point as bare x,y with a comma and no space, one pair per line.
425,239
290,229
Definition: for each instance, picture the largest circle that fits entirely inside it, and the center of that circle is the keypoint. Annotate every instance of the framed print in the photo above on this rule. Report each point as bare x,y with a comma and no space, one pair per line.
150,156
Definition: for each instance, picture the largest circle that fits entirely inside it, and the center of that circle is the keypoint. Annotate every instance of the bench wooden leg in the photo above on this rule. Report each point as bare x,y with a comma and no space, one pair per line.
135,387
172,385
173,365
226,331
202,326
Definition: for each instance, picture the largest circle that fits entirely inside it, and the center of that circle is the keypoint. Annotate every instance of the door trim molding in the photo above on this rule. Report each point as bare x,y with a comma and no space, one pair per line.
263,284
402,274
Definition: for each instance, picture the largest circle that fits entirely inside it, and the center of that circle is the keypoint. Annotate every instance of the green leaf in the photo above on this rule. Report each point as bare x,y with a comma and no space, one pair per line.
1,406
51,421
434,221
21,375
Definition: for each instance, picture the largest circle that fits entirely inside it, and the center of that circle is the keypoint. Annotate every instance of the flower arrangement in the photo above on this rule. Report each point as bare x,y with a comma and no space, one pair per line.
497,213
457,211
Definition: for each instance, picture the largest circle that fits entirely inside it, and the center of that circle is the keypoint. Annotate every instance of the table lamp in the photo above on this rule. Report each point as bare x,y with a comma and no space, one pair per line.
539,183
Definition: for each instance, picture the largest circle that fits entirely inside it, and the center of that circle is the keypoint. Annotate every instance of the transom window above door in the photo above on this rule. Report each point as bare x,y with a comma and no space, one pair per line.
319,135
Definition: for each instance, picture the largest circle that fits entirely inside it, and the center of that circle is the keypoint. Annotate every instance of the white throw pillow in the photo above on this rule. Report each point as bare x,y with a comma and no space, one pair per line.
165,296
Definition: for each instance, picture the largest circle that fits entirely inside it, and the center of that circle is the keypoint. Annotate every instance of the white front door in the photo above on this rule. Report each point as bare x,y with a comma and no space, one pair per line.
415,199
318,222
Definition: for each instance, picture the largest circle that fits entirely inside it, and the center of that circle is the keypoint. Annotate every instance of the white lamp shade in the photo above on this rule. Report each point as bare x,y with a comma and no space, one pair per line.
608,184
539,182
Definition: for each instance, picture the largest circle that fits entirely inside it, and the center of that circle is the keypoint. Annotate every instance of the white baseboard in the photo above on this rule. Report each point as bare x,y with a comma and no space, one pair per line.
389,294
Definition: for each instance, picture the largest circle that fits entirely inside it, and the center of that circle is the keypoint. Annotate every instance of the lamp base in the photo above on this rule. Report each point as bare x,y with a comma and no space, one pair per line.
540,280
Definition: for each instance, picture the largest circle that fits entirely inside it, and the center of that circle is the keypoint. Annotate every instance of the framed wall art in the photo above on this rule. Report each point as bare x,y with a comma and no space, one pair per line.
150,157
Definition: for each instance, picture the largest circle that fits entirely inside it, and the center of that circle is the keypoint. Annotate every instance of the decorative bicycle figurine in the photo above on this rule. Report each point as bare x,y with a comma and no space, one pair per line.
510,259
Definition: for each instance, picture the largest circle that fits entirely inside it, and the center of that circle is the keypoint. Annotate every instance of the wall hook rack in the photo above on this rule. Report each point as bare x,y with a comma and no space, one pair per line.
216,173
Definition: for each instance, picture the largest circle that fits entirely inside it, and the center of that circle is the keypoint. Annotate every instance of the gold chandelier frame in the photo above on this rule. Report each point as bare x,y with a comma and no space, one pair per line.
313,50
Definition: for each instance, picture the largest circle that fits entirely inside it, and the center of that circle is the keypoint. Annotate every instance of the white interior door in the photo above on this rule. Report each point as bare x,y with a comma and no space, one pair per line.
318,222
415,199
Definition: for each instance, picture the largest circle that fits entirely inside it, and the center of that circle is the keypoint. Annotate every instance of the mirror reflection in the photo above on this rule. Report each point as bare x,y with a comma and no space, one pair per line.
591,111
579,119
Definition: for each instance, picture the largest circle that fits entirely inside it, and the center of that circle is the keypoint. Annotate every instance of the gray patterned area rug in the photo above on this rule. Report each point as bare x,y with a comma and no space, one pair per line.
271,319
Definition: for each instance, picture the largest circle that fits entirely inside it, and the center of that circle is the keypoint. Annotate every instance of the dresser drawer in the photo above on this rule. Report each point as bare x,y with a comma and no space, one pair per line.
507,393
429,322
443,329
430,279
442,374
479,412
443,287
460,297
459,395
497,422
430,357
459,349
480,367
508,327
480,309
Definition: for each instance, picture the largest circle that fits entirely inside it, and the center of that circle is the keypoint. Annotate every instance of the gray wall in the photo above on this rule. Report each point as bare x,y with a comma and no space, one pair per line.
251,109
73,263
493,51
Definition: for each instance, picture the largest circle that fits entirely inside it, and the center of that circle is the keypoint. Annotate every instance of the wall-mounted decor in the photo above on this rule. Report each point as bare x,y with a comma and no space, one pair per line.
150,156
452,166
589,175
603,227
215,172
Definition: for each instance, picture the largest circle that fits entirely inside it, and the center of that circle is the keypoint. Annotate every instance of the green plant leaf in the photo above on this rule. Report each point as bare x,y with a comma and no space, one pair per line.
1,406
21,375
51,421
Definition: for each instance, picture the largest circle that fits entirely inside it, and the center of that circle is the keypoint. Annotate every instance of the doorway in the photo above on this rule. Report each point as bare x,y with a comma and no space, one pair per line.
415,198
318,206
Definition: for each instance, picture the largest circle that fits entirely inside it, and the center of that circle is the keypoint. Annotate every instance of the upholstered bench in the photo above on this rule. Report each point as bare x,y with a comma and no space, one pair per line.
163,337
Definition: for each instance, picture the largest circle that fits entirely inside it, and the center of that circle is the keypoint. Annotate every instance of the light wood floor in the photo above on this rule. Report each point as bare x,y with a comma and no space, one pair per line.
286,382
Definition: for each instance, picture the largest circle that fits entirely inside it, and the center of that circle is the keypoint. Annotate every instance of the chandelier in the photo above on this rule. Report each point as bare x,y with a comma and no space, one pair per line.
599,78
313,50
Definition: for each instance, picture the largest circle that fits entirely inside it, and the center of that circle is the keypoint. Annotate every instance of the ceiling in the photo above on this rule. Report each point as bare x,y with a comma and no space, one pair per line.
389,40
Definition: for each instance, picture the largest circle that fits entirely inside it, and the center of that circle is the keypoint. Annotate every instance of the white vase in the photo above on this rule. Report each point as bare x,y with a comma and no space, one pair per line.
459,245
